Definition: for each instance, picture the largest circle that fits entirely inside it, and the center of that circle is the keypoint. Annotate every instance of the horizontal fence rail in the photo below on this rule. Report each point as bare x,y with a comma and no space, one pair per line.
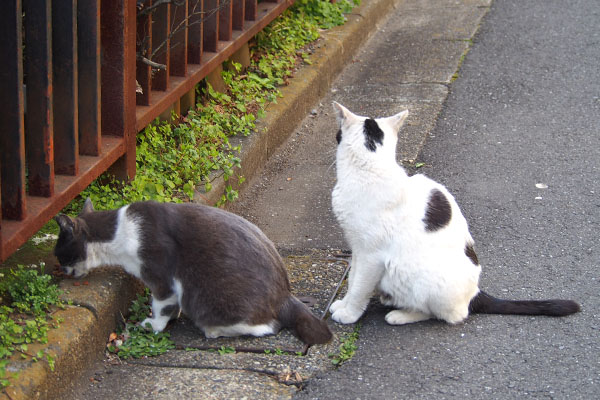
79,80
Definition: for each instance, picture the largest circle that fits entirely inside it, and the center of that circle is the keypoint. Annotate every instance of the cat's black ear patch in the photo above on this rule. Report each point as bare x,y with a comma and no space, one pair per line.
438,212
338,136
470,252
373,134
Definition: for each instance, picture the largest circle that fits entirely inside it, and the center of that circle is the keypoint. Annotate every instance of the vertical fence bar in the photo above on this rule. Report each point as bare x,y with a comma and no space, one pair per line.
88,62
238,14
64,69
12,139
251,10
225,16
196,16
178,45
161,45
118,79
211,25
144,49
39,142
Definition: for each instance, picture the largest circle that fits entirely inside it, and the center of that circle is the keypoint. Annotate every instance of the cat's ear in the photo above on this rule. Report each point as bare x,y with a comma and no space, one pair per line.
342,113
88,207
65,223
396,121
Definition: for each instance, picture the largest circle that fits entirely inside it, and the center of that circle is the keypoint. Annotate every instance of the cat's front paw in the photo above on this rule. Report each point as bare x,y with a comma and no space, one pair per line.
157,325
336,305
346,315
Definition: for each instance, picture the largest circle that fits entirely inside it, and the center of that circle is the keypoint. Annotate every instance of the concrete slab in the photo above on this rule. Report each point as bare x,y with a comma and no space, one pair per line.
149,382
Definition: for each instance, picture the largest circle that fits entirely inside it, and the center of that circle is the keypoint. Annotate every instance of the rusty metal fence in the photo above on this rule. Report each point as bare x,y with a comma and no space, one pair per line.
68,78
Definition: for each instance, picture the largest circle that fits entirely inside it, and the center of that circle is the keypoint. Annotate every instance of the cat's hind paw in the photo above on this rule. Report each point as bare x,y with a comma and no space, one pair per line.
400,317
346,315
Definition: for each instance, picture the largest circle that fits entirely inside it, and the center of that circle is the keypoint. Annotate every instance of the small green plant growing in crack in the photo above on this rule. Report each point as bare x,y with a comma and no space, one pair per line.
347,347
460,62
279,352
226,350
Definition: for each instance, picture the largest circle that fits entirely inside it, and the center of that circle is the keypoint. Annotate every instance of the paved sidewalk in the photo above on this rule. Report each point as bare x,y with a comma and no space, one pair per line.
299,222
523,114
523,109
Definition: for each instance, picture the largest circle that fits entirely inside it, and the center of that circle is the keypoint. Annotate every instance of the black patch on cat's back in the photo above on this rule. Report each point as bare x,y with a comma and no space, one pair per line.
373,134
438,212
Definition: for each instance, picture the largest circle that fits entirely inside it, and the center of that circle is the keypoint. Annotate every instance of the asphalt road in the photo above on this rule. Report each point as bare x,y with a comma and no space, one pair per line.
518,143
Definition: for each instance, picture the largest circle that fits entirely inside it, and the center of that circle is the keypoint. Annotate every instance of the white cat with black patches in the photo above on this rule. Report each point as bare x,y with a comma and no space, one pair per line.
408,237
216,267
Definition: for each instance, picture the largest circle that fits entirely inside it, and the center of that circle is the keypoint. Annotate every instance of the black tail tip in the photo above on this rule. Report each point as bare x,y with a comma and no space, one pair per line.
312,330
297,316
562,308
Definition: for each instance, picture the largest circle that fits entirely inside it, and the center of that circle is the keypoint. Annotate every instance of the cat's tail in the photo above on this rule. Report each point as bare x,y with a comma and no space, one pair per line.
295,315
483,303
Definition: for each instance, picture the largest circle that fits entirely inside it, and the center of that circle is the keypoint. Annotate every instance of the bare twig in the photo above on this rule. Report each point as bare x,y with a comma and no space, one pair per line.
151,63
195,11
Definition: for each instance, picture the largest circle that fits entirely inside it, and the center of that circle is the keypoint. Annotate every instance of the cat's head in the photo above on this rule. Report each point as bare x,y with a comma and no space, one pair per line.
71,246
367,136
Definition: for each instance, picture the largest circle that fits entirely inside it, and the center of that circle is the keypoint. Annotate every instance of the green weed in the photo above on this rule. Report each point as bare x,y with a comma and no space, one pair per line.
226,350
347,347
135,341
28,297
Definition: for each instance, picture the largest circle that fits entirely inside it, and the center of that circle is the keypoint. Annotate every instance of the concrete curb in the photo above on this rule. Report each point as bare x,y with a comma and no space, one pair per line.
82,337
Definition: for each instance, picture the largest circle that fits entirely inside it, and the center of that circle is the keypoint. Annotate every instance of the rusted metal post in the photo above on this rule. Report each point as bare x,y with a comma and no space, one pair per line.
118,79
211,25
161,29
12,138
251,10
88,62
225,20
179,38
195,23
238,14
144,49
39,105
65,103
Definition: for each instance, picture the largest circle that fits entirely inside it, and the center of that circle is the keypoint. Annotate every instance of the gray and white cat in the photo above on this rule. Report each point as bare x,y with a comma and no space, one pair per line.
408,237
217,268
